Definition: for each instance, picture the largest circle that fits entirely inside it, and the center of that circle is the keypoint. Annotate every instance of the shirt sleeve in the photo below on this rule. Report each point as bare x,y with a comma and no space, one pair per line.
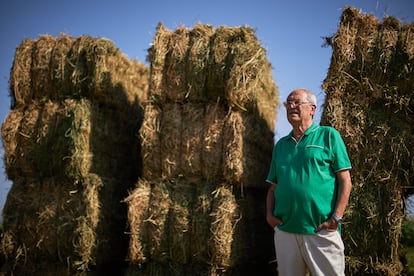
271,176
341,158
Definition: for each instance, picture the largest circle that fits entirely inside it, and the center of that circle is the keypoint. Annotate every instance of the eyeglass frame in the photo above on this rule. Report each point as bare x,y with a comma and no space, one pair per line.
295,103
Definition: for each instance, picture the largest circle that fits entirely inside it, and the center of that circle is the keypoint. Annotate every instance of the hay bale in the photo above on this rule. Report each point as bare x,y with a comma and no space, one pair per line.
369,90
156,222
174,132
156,56
208,65
171,140
66,128
138,202
160,221
20,75
197,61
72,153
205,142
225,217
52,68
247,146
240,239
202,223
59,228
219,71
41,72
212,141
180,221
149,134
178,63
29,135
250,83
25,218
68,227
191,145
59,68
175,86
240,73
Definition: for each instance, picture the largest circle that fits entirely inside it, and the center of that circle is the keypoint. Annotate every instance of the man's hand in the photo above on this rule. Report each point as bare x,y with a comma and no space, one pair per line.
273,221
329,225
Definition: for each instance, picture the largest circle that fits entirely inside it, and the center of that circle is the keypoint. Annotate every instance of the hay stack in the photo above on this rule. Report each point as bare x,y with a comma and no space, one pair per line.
206,147
370,92
223,131
72,154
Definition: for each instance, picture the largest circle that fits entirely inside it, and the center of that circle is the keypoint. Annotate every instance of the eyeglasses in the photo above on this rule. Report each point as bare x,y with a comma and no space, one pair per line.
294,103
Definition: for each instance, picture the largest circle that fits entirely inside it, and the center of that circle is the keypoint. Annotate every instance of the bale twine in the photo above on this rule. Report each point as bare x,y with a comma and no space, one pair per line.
369,89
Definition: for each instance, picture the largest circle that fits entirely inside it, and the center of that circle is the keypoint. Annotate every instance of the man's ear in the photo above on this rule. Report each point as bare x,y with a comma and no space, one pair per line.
313,109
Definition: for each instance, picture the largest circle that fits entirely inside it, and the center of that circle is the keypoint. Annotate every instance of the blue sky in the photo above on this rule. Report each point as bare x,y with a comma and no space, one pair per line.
291,31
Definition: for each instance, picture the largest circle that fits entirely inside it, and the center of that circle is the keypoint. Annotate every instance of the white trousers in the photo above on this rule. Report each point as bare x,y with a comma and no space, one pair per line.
320,254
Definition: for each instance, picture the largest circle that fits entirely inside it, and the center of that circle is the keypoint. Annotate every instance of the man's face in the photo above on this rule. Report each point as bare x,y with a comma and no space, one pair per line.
298,108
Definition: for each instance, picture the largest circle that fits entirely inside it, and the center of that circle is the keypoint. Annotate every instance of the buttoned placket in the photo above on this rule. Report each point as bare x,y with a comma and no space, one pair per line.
297,142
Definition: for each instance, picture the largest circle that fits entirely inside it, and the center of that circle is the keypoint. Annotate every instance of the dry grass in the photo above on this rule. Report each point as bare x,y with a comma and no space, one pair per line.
51,68
207,65
205,142
72,154
370,89
74,141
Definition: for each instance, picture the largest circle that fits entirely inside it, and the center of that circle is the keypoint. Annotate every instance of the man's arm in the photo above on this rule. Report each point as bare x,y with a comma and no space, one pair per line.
344,191
270,199
270,205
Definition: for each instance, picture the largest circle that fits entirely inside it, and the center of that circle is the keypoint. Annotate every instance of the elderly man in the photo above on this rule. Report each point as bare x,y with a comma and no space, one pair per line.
310,185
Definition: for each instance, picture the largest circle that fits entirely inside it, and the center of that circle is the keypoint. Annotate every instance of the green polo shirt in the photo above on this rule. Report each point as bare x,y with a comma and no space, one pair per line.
305,174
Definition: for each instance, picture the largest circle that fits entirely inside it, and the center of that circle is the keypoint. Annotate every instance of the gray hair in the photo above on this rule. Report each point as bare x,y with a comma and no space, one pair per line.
309,95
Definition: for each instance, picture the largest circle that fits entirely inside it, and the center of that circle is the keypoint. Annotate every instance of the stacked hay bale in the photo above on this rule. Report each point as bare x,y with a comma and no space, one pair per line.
370,99
72,154
207,138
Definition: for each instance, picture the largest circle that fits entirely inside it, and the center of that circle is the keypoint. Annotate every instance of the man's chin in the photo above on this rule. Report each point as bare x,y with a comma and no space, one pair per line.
293,119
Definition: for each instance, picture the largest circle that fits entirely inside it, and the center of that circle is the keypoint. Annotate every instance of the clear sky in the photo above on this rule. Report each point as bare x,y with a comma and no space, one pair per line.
292,31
